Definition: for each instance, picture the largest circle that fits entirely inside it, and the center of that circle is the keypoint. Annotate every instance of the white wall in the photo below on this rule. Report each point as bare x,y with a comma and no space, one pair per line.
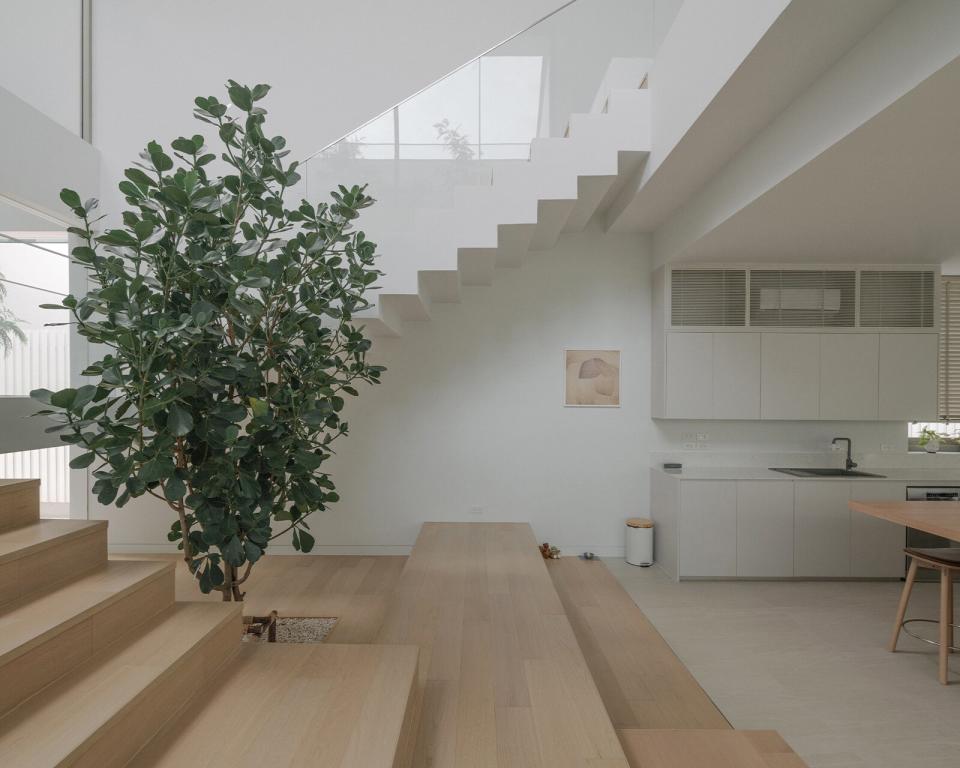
470,414
40,56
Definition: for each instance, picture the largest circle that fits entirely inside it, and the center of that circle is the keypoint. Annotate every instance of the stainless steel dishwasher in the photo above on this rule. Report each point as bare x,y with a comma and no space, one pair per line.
923,539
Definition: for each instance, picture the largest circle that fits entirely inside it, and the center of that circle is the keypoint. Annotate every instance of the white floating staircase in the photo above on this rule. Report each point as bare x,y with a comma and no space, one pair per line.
526,206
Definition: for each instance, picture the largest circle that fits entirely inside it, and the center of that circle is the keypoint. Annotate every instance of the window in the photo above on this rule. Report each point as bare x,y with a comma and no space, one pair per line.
948,401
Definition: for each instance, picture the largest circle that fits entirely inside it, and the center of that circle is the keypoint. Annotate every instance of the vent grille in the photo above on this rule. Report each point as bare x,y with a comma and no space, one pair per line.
896,299
708,297
803,298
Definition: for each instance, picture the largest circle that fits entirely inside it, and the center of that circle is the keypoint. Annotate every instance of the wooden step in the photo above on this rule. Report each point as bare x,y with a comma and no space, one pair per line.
41,554
45,636
298,705
19,502
642,682
102,713
692,748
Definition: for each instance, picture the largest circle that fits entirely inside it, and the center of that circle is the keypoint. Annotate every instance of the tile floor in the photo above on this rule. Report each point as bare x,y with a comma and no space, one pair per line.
809,660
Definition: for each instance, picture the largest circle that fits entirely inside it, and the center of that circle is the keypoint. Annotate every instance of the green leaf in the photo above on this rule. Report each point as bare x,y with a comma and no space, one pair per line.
83,461
174,489
240,95
42,395
306,541
63,398
233,551
259,408
179,420
70,198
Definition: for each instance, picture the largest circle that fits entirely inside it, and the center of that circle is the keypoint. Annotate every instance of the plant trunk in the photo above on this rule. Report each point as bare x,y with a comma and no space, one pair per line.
231,590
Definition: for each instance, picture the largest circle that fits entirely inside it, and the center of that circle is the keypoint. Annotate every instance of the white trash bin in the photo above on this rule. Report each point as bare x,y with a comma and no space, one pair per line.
640,541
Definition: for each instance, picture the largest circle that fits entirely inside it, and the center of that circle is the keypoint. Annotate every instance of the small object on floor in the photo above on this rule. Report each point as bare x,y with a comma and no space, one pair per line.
287,629
588,556
549,552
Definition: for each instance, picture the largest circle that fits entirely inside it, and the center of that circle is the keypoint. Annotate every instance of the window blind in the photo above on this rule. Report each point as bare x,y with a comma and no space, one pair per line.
949,368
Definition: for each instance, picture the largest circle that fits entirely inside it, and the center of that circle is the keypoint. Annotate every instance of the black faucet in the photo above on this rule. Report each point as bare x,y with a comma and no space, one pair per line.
851,464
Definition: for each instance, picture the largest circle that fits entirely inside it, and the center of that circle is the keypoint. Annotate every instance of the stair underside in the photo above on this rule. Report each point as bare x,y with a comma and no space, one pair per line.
298,705
102,712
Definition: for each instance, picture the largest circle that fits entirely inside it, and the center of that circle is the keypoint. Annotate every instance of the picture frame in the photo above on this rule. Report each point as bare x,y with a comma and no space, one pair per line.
591,377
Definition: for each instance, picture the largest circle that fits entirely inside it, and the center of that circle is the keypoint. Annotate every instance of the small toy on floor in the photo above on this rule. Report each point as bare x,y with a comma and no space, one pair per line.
548,552
588,556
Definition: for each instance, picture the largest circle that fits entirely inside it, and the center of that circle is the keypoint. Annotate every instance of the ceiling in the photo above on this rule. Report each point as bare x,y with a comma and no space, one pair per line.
888,192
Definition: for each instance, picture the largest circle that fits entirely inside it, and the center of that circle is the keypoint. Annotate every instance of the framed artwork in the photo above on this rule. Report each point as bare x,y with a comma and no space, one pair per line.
591,378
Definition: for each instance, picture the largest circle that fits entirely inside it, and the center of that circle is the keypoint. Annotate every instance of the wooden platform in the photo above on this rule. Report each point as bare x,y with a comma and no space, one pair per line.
504,682
708,749
297,706
642,682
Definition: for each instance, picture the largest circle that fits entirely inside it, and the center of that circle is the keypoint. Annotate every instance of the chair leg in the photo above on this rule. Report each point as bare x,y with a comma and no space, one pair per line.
902,608
946,631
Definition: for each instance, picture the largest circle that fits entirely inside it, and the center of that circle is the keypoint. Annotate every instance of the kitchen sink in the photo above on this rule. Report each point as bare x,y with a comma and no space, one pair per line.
823,472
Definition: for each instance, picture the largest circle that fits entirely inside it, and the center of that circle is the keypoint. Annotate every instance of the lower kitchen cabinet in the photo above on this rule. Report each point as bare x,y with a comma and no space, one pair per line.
764,529
876,546
707,530
821,521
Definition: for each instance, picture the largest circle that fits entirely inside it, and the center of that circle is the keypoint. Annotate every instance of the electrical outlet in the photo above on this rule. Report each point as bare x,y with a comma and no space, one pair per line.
702,436
703,446
688,437
689,446
476,510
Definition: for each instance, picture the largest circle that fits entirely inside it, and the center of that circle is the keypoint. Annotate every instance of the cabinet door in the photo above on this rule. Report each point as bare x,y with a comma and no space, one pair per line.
765,528
736,375
821,528
708,528
876,546
689,375
790,376
848,376
908,376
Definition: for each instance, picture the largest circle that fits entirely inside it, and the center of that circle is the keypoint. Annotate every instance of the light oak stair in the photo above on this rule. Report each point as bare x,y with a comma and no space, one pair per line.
297,706
653,748
100,714
42,553
19,502
46,636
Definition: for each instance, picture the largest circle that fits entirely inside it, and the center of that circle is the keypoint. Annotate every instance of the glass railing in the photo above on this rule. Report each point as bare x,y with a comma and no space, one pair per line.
486,113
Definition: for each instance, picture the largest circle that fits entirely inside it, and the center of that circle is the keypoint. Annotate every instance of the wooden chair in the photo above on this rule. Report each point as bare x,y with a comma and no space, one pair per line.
946,560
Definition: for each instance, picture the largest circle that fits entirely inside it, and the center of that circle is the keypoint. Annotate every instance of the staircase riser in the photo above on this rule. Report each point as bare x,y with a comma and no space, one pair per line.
19,505
132,728
41,665
52,565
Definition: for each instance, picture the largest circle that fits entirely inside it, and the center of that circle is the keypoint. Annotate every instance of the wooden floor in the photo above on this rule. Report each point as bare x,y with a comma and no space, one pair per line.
642,682
504,682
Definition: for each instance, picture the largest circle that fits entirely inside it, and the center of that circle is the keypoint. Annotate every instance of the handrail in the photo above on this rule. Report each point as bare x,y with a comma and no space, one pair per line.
430,85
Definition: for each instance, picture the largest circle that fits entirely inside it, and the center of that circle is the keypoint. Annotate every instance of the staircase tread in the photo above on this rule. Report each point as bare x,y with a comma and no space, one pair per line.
302,705
24,539
38,617
47,728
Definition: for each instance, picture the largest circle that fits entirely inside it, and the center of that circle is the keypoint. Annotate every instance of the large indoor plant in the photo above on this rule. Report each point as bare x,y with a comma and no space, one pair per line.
227,319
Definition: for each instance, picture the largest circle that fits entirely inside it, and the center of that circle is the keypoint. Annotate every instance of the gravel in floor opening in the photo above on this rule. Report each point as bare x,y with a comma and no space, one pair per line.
295,629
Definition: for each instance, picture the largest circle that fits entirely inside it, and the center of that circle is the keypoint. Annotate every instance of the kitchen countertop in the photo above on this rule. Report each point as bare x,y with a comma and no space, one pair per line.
934,476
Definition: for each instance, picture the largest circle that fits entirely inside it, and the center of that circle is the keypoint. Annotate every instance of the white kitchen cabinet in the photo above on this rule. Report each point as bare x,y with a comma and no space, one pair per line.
849,365
765,529
876,546
707,530
908,377
821,528
736,376
689,390
790,376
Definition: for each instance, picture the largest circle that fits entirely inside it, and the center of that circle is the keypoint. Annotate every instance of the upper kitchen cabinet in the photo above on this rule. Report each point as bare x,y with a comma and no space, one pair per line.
789,344
736,375
790,376
849,366
908,377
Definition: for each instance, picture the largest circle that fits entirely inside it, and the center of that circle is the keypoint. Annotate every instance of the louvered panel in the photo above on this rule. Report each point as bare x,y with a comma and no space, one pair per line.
897,299
949,368
800,298
708,297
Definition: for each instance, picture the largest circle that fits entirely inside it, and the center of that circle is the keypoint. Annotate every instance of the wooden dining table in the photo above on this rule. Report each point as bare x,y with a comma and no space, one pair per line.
941,518
938,517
